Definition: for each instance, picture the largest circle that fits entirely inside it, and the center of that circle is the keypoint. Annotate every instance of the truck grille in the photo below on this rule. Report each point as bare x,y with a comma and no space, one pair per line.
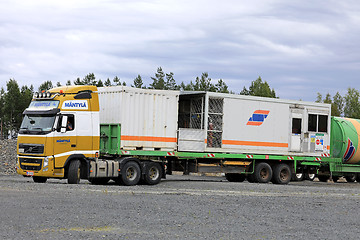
31,163
32,148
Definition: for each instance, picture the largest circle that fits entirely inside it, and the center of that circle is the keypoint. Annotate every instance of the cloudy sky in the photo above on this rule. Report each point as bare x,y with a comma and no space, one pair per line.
299,47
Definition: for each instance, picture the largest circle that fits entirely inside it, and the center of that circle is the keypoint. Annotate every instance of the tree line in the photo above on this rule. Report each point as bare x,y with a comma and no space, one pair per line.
14,100
344,106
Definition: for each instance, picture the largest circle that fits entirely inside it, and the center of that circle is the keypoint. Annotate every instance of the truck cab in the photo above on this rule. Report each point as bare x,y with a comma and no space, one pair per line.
59,134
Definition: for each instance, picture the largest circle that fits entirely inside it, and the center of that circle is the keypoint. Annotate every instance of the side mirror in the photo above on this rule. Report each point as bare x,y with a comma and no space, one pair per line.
63,124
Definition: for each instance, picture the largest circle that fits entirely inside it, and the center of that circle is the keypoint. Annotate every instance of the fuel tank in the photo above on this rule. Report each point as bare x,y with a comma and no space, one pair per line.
345,140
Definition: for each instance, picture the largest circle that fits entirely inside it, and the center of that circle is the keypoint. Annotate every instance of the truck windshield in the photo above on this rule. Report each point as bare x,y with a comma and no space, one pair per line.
37,124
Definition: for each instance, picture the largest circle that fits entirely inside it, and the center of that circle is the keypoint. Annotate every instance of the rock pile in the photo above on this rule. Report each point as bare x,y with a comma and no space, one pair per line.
7,156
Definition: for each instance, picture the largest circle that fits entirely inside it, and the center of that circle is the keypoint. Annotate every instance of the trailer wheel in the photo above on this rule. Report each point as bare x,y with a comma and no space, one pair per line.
263,173
298,177
358,177
39,179
235,177
153,173
99,181
335,178
74,172
130,174
281,174
310,176
350,178
323,178
250,178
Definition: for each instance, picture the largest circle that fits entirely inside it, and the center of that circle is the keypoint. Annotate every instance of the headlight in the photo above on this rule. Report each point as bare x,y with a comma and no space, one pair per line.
46,161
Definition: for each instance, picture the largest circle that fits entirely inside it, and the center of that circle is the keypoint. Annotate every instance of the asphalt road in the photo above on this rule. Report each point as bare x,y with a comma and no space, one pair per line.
180,207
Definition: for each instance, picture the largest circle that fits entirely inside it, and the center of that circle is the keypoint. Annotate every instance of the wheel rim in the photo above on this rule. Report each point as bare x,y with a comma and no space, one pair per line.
299,175
311,175
264,173
153,173
284,174
131,173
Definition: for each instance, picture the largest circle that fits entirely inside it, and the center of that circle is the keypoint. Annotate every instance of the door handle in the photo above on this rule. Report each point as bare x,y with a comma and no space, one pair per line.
73,145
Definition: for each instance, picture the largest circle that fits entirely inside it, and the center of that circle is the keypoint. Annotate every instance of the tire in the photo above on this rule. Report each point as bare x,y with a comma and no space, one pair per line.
335,178
235,177
250,178
281,174
74,172
358,177
152,173
99,181
130,174
350,178
323,178
263,173
39,179
310,176
297,177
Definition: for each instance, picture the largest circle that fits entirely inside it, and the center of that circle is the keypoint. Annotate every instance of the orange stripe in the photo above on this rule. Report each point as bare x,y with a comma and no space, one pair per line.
262,112
254,123
251,143
148,139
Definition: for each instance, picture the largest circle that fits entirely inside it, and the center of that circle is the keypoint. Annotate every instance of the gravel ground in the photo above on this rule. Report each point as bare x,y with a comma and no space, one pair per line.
7,156
180,207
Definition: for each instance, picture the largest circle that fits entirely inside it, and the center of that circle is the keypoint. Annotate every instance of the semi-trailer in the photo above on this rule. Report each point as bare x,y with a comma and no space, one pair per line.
130,135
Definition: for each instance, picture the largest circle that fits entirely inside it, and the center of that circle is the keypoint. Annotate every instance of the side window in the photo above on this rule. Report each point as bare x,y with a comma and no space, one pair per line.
318,123
296,125
323,123
70,125
312,123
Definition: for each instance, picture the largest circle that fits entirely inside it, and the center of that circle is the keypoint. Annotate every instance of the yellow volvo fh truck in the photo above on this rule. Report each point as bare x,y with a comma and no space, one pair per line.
129,135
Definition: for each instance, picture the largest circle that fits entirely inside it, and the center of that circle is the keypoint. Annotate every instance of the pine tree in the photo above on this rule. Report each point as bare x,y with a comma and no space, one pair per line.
107,83
158,80
138,82
170,82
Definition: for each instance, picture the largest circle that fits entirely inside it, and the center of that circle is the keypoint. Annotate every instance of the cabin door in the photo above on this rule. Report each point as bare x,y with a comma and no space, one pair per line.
296,137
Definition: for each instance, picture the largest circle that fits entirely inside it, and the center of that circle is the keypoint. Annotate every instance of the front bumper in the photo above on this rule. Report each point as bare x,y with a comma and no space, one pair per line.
38,166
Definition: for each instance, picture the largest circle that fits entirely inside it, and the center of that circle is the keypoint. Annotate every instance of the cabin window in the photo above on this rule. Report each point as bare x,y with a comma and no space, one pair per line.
317,123
296,125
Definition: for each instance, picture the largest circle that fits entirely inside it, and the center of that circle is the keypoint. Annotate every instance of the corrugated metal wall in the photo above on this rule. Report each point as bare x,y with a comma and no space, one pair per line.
148,117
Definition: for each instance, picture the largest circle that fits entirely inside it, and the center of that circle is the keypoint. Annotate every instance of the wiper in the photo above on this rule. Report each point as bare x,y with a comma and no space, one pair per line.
38,128
24,129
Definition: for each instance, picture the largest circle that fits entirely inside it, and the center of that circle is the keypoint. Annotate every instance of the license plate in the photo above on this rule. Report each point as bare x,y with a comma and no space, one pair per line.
29,173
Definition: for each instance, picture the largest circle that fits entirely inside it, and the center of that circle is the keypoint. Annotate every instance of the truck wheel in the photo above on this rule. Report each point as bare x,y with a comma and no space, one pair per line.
250,178
99,181
323,178
335,178
350,178
74,172
262,173
298,177
358,177
310,176
235,177
130,174
39,179
281,174
153,173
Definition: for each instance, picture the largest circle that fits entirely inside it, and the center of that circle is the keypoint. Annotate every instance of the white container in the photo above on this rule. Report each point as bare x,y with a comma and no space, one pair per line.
148,117
253,125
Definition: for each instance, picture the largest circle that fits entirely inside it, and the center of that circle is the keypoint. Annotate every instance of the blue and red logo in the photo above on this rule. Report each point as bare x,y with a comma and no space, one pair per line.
350,151
258,117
